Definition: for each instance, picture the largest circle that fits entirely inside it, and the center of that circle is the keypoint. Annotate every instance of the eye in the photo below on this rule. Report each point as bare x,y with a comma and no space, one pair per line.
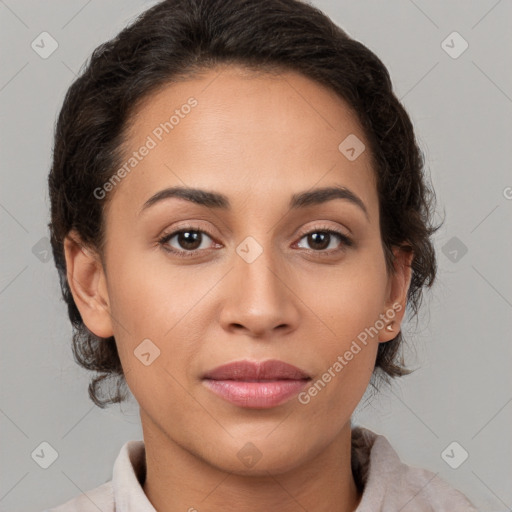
324,240
186,241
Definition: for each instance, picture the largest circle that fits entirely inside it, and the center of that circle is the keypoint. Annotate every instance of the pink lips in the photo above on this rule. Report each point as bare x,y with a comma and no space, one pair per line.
256,385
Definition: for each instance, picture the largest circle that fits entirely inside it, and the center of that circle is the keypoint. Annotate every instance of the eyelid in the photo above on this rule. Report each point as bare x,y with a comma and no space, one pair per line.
190,225
324,227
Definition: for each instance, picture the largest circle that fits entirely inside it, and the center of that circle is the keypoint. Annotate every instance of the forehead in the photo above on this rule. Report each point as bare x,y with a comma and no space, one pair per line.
258,136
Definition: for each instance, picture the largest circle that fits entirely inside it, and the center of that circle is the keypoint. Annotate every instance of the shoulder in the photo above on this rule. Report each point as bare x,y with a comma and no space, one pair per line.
100,498
124,489
391,485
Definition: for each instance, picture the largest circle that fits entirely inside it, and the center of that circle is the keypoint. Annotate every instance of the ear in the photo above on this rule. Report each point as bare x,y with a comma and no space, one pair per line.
398,286
87,281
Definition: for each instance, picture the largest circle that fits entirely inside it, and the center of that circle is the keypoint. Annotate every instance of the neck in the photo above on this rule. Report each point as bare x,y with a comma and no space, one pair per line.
179,480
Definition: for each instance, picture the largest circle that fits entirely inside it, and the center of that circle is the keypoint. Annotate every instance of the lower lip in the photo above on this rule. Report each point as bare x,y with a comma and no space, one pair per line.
256,395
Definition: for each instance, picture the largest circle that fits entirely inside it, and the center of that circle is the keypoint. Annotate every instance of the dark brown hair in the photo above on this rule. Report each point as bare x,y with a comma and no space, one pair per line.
176,39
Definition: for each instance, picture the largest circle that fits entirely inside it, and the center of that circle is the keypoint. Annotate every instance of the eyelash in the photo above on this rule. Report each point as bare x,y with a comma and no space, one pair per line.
344,239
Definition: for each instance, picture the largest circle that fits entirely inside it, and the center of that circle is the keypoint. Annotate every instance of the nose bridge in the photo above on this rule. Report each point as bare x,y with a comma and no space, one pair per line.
258,298
257,268
256,255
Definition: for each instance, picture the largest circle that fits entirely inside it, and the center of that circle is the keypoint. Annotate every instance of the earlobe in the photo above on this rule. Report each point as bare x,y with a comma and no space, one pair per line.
399,284
86,279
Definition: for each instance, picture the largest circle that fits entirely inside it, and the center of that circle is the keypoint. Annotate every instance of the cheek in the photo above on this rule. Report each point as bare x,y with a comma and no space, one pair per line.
349,297
347,301
160,304
153,337
346,344
151,298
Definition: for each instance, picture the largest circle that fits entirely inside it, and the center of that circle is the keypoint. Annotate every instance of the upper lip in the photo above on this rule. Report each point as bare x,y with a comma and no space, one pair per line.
271,369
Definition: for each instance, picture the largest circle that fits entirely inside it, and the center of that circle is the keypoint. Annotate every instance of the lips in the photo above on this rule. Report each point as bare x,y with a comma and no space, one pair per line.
249,371
256,385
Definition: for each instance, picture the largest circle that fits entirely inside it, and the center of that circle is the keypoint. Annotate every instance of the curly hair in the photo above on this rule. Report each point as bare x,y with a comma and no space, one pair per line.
177,39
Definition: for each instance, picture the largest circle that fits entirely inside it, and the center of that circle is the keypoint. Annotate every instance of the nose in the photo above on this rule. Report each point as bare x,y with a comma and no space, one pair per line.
259,300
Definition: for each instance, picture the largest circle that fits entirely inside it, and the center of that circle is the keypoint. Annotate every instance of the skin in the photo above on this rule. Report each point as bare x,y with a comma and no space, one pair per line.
258,139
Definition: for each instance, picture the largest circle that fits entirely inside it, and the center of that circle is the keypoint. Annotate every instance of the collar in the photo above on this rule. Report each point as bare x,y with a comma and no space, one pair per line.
387,484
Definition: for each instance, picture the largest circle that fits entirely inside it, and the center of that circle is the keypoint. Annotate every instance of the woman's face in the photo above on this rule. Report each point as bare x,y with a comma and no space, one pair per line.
256,278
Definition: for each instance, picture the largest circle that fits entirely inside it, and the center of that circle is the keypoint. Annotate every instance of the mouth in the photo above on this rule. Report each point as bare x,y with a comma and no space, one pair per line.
256,385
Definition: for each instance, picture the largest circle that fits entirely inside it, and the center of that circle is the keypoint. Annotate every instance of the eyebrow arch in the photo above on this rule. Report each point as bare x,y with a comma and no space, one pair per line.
220,201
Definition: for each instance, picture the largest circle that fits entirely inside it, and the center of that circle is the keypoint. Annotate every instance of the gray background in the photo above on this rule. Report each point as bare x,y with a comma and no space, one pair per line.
461,110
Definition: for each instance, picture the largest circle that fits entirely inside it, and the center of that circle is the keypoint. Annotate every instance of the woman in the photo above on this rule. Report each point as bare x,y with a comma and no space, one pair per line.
240,220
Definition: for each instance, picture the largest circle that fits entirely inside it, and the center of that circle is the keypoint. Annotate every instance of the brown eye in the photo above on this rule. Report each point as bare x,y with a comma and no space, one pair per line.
186,242
189,240
325,240
319,240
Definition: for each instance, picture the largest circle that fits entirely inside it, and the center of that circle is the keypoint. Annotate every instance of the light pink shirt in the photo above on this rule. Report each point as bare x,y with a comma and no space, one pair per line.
389,484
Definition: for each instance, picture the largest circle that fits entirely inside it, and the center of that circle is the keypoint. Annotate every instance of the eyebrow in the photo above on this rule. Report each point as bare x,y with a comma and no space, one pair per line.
220,201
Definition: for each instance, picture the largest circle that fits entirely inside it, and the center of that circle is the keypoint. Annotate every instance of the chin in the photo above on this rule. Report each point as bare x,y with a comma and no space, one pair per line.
259,457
